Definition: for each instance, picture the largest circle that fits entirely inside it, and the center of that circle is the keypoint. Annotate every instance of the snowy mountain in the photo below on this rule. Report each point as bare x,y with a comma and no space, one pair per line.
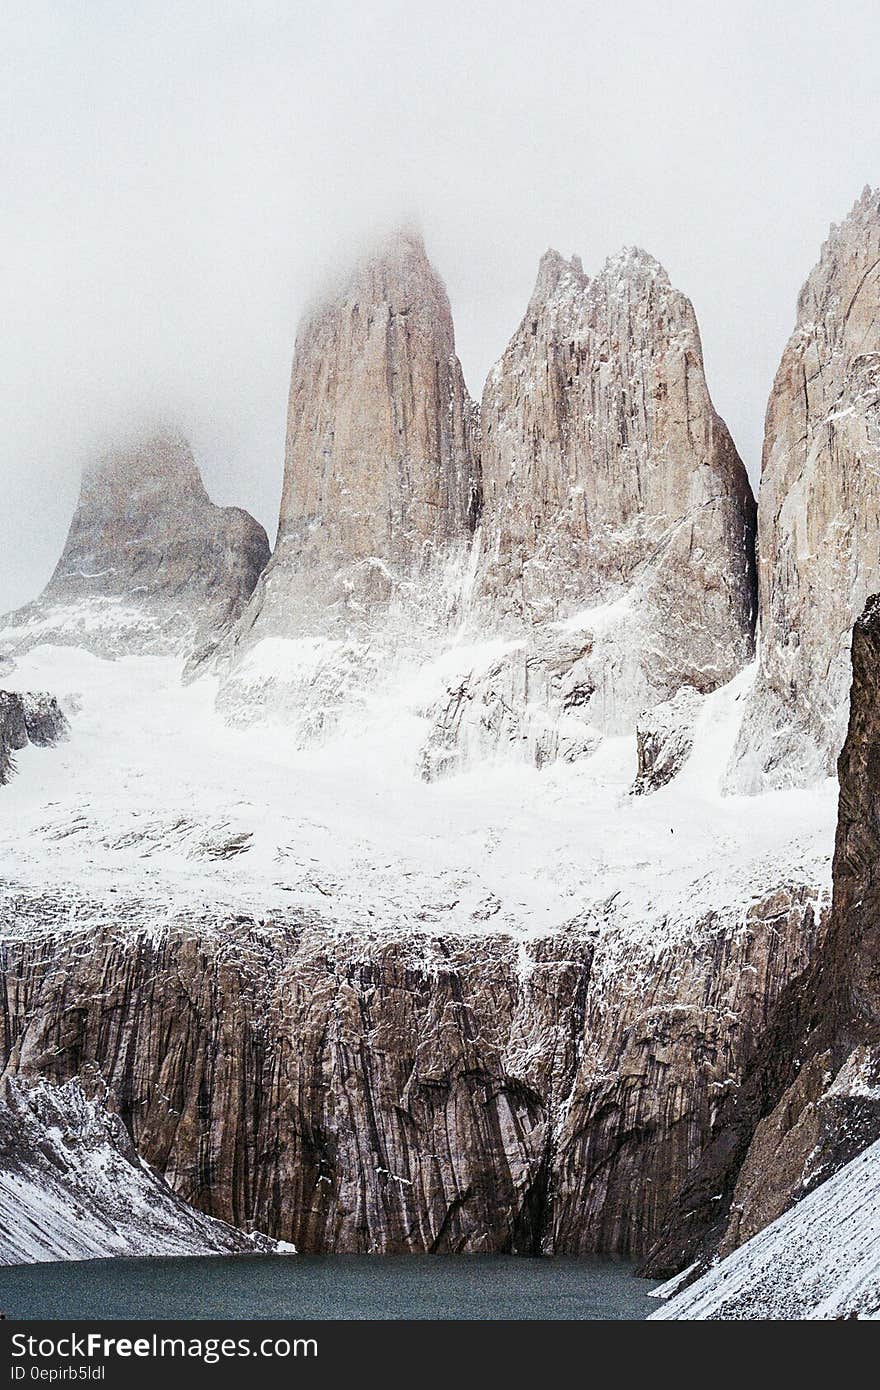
423,916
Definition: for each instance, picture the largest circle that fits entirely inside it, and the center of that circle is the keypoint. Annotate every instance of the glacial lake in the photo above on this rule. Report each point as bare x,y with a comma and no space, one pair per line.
306,1287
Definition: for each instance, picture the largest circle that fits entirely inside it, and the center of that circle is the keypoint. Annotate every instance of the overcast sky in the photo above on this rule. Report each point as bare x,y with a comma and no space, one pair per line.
174,178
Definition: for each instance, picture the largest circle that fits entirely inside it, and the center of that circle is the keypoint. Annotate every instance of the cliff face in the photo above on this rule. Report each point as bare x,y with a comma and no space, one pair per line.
603,457
403,1091
819,514
150,563
617,527
810,1101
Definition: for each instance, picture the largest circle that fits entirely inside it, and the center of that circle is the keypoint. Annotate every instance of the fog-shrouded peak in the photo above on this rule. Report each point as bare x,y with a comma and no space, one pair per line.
379,460
150,563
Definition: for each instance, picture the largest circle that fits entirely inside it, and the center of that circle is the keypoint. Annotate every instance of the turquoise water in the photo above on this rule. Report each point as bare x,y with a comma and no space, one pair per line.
299,1286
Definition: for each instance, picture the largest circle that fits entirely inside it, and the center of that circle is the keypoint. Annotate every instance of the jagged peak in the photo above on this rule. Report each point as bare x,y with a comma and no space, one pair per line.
393,264
632,263
867,202
865,210
855,238
404,240
556,278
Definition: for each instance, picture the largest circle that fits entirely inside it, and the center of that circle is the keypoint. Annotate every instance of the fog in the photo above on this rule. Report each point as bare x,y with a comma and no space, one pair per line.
175,179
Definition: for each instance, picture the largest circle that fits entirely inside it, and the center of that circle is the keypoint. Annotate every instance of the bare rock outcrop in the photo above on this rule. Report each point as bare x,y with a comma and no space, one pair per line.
664,739
27,717
618,522
603,460
379,473
819,514
524,702
150,563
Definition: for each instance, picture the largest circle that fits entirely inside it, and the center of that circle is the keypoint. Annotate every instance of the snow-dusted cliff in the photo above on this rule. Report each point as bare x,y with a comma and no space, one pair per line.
360,1011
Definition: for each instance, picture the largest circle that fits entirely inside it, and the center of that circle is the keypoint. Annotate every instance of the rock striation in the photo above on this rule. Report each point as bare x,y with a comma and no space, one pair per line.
819,514
810,1100
618,522
150,563
399,1090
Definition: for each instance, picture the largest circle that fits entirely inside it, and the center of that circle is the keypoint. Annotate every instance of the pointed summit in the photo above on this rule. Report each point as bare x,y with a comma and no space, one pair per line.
380,500
556,277
611,484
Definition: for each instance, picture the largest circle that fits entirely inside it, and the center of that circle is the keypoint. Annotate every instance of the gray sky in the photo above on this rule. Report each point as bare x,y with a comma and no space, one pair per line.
175,178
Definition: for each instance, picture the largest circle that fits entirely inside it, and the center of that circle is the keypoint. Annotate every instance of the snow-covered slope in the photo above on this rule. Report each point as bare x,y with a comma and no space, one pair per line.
820,1260
154,792
73,1188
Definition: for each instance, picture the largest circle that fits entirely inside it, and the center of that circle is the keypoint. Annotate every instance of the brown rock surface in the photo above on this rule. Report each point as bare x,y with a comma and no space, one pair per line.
403,1091
380,474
